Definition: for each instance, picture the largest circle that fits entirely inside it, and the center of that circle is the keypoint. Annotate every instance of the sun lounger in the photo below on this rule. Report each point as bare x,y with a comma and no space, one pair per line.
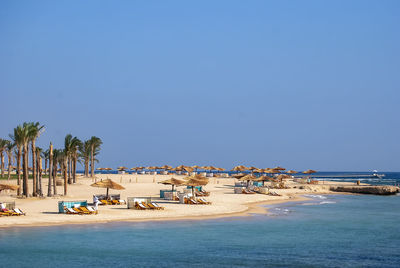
7,212
246,191
86,210
70,211
140,206
93,210
203,201
104,202
156,206
193,202
20,212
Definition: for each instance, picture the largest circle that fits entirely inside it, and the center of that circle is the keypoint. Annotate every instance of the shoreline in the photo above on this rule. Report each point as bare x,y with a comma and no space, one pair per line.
42,212
252,208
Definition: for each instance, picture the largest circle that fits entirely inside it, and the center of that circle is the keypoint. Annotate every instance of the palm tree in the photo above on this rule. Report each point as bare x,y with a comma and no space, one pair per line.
25,137
95,143
84,156
3,146
76,144
57,154
35,129
71,145
9,151
17,138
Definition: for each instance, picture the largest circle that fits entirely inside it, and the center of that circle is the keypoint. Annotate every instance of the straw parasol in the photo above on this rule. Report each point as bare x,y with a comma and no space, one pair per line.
310,171
282,177
279,168
239,168
248,177
291,172
173,182
196,180
109,184
8,187
122,168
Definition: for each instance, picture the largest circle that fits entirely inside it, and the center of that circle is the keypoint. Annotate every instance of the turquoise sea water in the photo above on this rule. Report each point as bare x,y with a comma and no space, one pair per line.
329,231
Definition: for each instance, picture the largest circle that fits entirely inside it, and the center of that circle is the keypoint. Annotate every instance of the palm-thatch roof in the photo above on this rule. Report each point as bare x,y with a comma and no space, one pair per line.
108,184
248,177
291,172
172,181
309,171
8,187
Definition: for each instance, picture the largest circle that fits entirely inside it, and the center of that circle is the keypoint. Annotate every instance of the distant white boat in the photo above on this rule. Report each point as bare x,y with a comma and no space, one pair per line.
376,175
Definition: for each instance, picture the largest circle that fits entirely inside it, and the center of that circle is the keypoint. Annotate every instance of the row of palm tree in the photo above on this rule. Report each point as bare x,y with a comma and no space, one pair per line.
24,137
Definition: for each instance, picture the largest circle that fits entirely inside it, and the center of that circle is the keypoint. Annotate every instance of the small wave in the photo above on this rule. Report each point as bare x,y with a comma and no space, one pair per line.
327,202
315,196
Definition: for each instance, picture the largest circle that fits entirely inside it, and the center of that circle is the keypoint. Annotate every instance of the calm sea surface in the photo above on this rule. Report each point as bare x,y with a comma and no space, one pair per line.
329,231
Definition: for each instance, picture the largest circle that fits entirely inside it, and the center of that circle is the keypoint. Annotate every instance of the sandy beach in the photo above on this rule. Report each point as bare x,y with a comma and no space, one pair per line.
44,211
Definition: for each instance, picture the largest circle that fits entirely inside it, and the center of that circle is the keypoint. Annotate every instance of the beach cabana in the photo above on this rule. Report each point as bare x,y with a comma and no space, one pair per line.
71,204
133,200
173,182
195,180
109,184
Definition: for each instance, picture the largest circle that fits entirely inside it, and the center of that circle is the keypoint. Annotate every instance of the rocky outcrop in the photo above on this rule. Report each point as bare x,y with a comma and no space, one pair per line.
377,190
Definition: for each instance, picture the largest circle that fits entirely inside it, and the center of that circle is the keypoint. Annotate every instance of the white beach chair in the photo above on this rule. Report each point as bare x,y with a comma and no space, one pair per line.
17,210
142,206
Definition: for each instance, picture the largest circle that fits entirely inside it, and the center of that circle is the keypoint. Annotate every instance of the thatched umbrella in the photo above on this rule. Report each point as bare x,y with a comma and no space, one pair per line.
264,179
279,168
291,172
196,180
239,168
122,168
8,187
248,177
109,184
173,182
282,177
310,171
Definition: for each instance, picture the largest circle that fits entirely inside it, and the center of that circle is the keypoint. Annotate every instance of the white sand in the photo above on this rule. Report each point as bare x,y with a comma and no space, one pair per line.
44,211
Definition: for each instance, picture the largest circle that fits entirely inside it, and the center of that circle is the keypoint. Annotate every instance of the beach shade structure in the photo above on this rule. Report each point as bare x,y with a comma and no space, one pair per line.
282,177
279,168
310,171
239,168
195,180
273,170
248,177
291,172
238,176
109,184
122,168
166,167
100,168
188,169
174,182
258,170
8,187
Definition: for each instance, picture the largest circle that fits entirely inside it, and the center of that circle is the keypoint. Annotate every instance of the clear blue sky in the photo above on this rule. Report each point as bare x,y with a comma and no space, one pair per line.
301,84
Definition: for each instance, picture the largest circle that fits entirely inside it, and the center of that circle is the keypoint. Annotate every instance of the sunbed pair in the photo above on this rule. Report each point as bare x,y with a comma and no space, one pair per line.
112,202
247,191
80,210
198,201
14,212
151,205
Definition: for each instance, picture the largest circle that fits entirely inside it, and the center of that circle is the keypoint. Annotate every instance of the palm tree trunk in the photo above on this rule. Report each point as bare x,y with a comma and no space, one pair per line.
86,167
69,169
45,165
25,171
49,190
33,147
40,192
92,162
2,163
9,154
55,177
18,170
74,169
65,168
